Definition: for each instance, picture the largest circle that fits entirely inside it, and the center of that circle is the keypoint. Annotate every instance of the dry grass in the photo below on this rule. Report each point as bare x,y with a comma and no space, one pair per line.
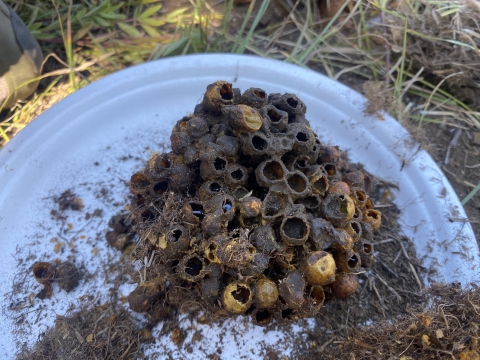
445,327
94,332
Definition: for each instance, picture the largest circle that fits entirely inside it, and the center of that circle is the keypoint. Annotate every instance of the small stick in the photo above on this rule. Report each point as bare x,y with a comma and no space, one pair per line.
411,266
398,255
399,298
383,242
387,50
386,267
452,144
384,307
415,275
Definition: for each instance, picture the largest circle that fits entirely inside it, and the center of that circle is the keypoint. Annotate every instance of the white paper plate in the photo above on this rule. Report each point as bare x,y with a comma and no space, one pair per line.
131,110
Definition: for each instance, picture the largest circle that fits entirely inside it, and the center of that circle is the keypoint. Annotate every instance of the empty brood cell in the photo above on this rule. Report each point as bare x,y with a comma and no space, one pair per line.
294,229
275,120
237,297
275,205
210,188
218,94
289,103
254,144
254,97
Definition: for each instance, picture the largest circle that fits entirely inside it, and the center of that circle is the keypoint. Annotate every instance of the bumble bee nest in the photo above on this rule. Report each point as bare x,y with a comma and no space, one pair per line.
247,214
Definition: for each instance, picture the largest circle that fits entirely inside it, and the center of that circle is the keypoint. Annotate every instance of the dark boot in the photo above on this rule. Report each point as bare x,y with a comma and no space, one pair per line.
20,58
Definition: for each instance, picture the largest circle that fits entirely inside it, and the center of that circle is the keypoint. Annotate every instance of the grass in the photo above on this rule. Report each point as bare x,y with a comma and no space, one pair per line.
90,38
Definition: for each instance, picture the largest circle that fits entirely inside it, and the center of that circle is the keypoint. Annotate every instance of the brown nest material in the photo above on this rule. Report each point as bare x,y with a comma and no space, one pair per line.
249,213
446,326
98,332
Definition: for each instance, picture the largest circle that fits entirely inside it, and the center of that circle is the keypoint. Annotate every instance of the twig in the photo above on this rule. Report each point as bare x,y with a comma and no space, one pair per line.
452,144
411,266
387,50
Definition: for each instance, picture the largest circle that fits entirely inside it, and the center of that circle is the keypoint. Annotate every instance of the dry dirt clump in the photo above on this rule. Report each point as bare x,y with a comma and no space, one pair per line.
445,326
249,214
97,332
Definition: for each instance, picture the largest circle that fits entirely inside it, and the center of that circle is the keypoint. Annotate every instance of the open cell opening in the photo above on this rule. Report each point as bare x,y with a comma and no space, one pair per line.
274,115
219,164
160,188
292,102
194,266
211,251
237,174
360,195
301,136
233,225
226,92
197,210
301,164
42,271
321,185
310,202
330,169
357,229
175,235
259,143
263,317
353,261
241,294
260,93
295,228
273,171
367,248
357,214
227,206
317,295
165,162
288,314
297,183
215,187
374,214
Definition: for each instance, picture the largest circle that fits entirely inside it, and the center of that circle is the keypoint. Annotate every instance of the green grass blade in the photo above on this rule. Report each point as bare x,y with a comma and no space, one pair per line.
258,17
471,194
322,36
226,15
243,26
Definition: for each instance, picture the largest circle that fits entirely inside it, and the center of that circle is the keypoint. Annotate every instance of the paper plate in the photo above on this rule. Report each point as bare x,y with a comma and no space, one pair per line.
82,139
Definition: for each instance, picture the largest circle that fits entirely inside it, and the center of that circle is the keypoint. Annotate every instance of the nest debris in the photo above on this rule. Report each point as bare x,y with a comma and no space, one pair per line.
92,332
444,326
